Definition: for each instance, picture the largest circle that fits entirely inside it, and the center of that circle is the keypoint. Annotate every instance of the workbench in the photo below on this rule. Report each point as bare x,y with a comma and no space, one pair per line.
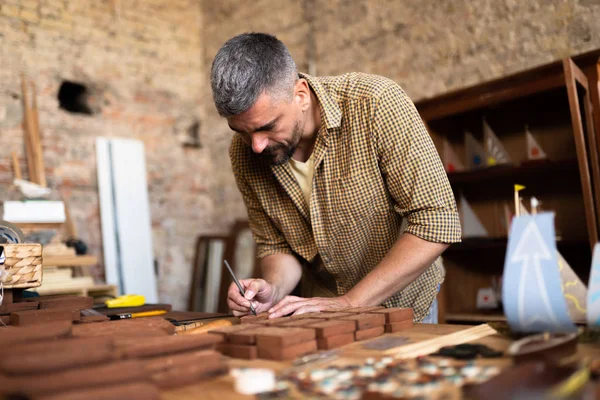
223,387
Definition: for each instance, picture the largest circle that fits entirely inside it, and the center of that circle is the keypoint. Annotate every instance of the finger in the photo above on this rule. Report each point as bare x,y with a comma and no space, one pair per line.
285,301
236,307
239,313
289,308
253,287
234,295
308,309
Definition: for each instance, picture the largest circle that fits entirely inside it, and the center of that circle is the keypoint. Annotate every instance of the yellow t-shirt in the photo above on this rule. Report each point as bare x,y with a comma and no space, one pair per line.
303,172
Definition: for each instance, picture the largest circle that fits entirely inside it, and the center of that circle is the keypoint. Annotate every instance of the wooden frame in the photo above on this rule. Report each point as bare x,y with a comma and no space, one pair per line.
573,77
199,272
232,254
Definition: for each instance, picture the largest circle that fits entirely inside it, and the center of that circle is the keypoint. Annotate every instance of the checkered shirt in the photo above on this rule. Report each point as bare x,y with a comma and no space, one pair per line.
377,174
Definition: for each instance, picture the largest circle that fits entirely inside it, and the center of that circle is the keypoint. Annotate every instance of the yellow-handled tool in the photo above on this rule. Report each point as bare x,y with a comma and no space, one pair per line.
128,300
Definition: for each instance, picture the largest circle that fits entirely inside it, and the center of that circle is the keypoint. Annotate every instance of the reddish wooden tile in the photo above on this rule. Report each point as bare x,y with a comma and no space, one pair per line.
68,303
253,318
164,363
35,333
226,331
399,326
246,336
308,315
332,327
22,318
395,314
335,315
104,375
364,321
282,336
287,353
364,309
369,333
52,356
131,391
155,346
6,309
243,351
332,342
301,322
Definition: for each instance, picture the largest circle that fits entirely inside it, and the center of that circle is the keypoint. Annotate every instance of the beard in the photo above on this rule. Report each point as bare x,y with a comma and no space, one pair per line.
280,153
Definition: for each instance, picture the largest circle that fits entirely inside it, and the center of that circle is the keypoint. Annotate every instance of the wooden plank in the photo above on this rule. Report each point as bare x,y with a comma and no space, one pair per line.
27,127
580,143
34,317
36,140
593,75
70,261
16,166
494,92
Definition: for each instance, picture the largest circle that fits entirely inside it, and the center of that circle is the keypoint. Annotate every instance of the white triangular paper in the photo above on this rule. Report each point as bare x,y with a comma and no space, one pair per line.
534,150
593,300
495,151
451,161
474,151
471,225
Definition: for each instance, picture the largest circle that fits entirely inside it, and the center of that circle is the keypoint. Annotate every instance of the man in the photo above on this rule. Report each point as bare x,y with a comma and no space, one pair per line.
329,168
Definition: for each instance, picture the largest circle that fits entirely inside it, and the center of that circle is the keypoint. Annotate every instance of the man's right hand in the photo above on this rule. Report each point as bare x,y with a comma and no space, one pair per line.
261,293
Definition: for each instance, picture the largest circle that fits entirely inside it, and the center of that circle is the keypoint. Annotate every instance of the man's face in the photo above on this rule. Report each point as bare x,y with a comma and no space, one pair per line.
272,128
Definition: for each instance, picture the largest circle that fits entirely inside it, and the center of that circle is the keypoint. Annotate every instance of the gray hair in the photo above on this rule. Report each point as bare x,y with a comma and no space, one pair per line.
247,66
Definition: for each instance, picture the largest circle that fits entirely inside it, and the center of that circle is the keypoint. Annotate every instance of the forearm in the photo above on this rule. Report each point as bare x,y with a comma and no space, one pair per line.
283,271
406,261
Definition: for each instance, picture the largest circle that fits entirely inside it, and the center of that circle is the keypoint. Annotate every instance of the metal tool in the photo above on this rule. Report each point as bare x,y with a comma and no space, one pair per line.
9,233
242,292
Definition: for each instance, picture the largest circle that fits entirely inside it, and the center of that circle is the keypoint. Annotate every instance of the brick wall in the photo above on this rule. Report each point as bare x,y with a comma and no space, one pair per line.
147,62
142,58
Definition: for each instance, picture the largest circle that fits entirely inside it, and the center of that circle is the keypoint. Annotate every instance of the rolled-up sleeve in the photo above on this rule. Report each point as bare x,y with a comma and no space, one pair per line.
268,238
414,174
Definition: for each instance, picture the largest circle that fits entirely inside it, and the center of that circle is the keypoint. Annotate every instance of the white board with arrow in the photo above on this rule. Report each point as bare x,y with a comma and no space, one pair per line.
532,287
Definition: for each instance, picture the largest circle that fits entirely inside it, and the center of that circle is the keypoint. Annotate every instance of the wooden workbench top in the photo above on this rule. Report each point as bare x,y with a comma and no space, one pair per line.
223,388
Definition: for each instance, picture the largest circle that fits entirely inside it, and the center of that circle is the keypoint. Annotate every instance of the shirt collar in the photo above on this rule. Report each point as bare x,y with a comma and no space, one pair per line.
330,109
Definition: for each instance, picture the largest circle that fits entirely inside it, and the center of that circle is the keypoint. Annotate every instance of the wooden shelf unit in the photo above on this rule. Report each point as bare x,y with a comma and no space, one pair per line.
555,102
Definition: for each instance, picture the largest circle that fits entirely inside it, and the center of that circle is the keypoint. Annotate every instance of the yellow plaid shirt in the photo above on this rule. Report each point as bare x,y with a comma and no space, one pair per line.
377,174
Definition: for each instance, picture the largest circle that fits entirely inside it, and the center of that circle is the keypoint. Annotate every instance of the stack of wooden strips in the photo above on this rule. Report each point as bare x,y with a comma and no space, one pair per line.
37,310
432,345
290,337
128,359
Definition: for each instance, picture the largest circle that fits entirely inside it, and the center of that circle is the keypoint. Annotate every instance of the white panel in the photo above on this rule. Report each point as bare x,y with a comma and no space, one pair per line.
34,211
109,243
133,218
131,227
216,249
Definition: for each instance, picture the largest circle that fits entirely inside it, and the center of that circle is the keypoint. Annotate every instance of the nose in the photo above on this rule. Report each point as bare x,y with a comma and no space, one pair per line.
259,142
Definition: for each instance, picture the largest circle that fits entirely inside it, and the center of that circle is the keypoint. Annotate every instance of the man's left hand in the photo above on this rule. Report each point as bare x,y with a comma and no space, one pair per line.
301,305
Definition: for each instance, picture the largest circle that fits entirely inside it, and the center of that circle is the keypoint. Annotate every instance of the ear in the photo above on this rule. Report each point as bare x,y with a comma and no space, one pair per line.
302,94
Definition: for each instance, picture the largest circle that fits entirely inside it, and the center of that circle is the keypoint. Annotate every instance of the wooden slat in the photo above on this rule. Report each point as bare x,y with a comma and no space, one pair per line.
36,140
593,74
69,261
580,144
27,127
507,88
16,166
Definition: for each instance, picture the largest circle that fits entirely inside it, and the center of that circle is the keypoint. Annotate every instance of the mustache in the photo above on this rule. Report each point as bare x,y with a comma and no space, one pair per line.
272,149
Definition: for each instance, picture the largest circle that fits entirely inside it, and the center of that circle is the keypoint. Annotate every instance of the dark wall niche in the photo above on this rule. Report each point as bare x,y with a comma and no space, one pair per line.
73,97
